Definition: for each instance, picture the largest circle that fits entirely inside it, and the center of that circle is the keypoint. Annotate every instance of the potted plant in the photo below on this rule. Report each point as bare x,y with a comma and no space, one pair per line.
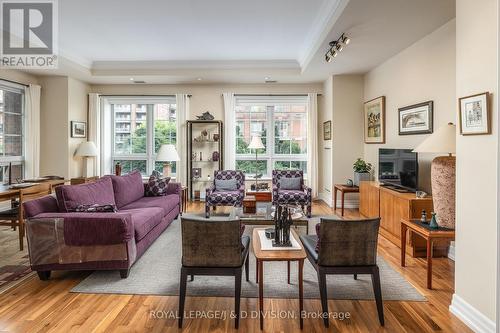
361,171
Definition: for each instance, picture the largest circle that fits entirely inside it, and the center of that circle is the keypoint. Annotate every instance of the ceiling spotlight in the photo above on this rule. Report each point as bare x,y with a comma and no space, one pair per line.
131,79
267,78
336,46
199,79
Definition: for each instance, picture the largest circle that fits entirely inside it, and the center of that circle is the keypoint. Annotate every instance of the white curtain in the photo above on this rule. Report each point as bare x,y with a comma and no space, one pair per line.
312,143
94,131
32,155
182,116
229,132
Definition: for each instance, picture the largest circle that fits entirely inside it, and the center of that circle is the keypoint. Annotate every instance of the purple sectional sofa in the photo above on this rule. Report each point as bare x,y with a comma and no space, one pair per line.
59,238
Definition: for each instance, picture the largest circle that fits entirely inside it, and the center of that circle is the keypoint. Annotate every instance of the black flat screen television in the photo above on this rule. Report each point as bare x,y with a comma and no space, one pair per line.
398,168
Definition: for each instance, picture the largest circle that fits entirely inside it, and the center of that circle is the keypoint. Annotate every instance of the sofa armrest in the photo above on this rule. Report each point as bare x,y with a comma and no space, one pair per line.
46,204
174,188
307,190
87,229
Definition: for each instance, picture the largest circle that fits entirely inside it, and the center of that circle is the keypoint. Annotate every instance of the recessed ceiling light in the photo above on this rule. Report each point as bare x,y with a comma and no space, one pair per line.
267,78
199,79
131,79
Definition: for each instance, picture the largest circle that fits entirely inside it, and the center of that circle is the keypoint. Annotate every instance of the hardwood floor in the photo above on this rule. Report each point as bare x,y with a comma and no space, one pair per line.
48,306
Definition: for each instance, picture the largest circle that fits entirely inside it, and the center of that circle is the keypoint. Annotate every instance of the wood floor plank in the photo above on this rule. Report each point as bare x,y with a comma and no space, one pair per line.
49,306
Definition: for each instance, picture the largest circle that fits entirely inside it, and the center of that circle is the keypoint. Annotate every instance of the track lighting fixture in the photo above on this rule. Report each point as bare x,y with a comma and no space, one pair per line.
336,47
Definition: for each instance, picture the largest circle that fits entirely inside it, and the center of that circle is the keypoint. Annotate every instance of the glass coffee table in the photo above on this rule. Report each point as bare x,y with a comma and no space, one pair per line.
264,216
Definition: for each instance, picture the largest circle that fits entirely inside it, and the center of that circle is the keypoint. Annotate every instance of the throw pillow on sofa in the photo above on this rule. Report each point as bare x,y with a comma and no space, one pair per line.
289,183
95,208
157,185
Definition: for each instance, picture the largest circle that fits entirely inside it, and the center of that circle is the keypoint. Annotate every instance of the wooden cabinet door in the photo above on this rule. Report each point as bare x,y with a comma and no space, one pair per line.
369,199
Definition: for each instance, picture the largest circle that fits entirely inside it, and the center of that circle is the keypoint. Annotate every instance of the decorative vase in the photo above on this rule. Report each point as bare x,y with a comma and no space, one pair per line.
433,224
443,190
215,156
360,176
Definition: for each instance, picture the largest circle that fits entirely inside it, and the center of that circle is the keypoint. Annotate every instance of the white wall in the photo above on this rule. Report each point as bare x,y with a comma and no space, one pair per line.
477,168
325,152
422,72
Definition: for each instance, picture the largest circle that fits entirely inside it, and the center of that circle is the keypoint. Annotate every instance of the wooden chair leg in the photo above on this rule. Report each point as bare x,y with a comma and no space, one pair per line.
324,296
192,277
377,290
355,276
237,296
182,295
21,236
247,267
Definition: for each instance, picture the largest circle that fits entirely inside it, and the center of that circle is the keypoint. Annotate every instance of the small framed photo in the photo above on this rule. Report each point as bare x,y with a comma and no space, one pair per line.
416,119
475,114
374,120
196,173
327,130
78,129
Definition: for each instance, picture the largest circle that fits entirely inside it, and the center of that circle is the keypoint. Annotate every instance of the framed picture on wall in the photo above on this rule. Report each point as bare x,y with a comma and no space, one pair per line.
416,119
475,114
78,129
374,116
327,130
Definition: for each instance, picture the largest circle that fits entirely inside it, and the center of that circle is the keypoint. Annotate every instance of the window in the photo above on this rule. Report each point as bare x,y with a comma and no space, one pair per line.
281,121
11,130
140,127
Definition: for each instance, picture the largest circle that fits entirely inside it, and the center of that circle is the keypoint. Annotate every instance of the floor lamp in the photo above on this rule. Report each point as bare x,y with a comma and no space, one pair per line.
442,173
256,144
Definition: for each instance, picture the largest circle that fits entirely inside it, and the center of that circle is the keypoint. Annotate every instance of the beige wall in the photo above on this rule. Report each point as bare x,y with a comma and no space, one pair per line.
18,76
325,154
206,97
477,162
62,100
422,72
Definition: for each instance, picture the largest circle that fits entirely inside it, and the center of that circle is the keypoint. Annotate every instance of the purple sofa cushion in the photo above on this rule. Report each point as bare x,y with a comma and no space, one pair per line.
144,220
128,188
167,203
100,192
86,229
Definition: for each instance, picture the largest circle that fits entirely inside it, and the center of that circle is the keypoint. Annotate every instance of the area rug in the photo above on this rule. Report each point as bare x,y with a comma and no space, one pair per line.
157,273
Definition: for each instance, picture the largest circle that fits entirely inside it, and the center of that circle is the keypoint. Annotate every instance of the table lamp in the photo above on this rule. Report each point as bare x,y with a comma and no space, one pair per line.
442,173
167,154
86,149
256,144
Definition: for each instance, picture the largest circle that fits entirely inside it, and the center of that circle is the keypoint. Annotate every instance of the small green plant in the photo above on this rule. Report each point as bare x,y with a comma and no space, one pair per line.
360,166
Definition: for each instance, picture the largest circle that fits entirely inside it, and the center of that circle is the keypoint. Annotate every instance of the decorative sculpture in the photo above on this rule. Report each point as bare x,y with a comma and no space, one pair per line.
205,116
282,223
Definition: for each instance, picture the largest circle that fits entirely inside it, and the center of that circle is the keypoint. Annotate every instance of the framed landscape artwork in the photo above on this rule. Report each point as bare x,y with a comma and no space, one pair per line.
78,129
416,119
475,114
327,130
374,124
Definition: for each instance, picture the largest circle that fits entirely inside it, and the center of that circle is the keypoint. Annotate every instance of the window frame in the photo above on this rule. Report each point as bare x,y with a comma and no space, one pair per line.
150,155
270,156
18,159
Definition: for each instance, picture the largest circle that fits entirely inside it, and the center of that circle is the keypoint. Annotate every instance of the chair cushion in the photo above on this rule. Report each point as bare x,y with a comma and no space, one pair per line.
224,197
226,184
144,220
156,185
289,183
12,213
166,202
309,242
292,196
100,192
128,188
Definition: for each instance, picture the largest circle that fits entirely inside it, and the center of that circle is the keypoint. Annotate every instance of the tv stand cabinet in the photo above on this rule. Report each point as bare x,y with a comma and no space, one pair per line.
393,206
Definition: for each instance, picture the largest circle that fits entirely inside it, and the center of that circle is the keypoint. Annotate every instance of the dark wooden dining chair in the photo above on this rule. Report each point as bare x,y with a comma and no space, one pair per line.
345,247
213,247
14,216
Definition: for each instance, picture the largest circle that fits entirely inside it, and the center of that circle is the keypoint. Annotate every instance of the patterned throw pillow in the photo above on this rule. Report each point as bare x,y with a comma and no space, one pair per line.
156,186
95,208
226,184
289,183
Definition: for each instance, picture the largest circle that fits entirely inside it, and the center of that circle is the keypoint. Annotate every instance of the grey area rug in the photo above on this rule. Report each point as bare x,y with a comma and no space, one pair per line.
158,271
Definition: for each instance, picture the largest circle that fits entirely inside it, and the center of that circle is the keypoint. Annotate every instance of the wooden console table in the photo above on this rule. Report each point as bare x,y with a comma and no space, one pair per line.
261,196
343,189
429,235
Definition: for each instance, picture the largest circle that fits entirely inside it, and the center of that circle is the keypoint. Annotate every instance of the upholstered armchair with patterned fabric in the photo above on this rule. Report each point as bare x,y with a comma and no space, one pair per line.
289,188
228,189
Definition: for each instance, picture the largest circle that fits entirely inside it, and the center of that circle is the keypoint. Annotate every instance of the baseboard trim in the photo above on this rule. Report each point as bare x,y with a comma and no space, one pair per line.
326,197
348,203
451,252
478,322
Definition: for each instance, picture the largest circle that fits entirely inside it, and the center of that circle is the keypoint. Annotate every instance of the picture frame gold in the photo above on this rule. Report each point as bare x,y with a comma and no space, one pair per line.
374,120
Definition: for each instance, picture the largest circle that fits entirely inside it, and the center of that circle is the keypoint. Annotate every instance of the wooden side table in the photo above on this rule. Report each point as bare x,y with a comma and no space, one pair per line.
278,255
261,196
429,235
343,189
184,198
249,204
83,180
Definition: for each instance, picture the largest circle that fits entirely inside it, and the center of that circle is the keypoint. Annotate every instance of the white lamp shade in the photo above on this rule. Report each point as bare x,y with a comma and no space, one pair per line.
167,153
256,143
86,149
441,141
